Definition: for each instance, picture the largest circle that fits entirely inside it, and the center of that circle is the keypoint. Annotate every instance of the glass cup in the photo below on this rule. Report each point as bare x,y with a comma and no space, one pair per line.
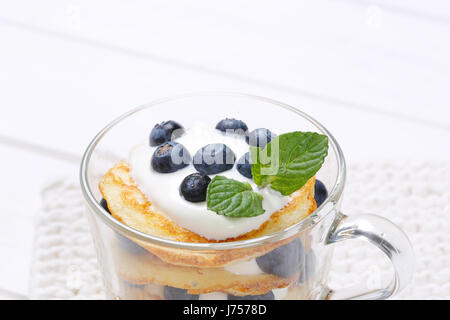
136,265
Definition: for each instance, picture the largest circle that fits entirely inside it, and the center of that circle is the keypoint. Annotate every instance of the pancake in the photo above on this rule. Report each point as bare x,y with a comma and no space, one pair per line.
148,269
129,205
152,292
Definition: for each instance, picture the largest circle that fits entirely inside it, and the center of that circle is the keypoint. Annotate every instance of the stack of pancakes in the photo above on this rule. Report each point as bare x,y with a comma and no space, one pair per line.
201,271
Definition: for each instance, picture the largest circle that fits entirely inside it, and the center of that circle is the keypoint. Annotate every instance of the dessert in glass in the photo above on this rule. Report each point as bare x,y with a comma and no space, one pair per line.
224,196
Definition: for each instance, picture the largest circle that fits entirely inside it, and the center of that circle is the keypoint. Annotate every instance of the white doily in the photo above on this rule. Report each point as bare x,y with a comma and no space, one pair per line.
414,196
417,198
64,261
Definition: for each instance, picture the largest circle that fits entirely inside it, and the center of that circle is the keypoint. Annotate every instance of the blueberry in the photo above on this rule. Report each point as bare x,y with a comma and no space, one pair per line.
174,127
172,293
268,296
232,126
165,131
284,261
308,268
320,192
193,187
170,157
123,241
244,167
259,137
214,158
104,205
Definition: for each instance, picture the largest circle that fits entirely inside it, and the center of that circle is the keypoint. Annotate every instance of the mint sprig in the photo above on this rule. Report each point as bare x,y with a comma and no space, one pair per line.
232,198
289,160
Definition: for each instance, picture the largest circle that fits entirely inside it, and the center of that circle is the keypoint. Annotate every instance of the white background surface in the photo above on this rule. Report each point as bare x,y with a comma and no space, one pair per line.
376,73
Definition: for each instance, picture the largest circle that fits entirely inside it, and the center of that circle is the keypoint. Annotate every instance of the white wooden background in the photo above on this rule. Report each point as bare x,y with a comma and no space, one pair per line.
376,73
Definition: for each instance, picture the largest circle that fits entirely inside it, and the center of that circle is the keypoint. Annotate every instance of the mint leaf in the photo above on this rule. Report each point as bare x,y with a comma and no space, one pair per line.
232,198
289,160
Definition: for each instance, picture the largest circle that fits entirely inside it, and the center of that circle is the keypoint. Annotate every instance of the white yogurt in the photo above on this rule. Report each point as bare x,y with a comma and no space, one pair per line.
245,268
162,189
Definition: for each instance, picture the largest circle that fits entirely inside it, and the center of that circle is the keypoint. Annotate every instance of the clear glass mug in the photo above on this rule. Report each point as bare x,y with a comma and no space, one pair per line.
136,265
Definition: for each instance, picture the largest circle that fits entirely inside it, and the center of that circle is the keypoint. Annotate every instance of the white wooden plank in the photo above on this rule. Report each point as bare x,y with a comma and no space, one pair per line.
23,174
435,10
64,92
387,61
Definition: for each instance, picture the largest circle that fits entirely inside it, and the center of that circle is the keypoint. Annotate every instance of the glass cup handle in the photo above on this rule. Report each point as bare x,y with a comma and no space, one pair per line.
386,236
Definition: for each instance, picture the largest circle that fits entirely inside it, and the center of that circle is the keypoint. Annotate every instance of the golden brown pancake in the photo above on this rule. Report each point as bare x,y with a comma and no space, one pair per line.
127,292
148,269
129,205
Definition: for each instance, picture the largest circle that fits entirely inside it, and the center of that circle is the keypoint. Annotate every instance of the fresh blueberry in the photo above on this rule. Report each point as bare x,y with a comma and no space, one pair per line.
244,167
308,268
174,127
104,205
284,261
259,137
232,126
165,131
170,157
124,242
172,293
320,192
214,158
268,296
193,187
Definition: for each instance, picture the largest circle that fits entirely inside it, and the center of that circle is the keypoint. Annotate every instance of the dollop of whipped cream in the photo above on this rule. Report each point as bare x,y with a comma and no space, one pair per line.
162,189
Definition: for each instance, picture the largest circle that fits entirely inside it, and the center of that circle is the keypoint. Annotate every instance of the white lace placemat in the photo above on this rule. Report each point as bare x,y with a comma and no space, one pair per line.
64,261
415,196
